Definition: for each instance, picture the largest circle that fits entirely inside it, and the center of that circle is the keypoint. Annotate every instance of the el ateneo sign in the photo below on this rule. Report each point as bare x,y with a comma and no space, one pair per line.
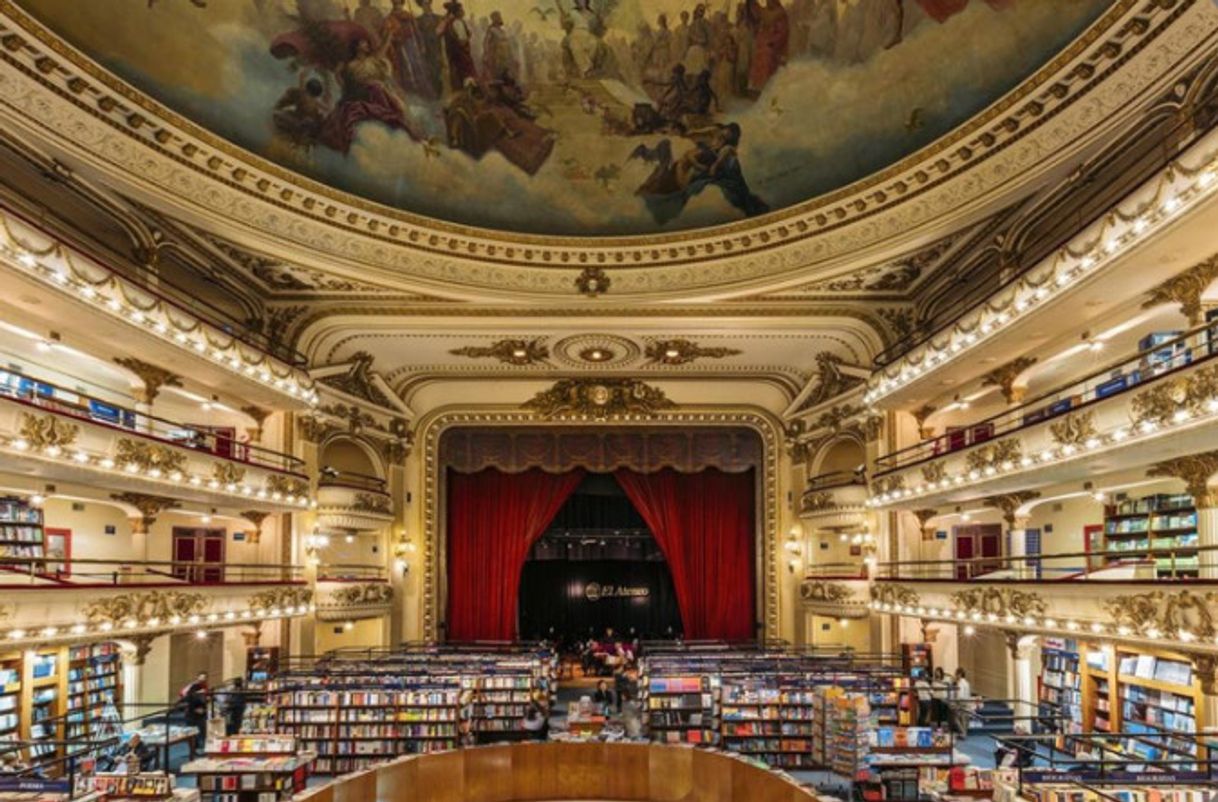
594,592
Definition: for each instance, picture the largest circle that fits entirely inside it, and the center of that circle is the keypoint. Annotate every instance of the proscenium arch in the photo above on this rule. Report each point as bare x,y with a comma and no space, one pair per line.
768,428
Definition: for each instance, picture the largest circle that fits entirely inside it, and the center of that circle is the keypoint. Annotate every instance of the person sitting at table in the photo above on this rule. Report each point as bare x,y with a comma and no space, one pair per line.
603,698
136,755
536,722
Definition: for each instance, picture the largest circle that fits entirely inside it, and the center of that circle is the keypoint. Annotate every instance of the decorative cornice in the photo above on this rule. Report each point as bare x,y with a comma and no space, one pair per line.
149,507
509,352
599,399
280,598
154,377
1195,470
893,595
359,381
149,456
154,605
1076,429
1182,615
1000,602
1186,290
1005,377
593,282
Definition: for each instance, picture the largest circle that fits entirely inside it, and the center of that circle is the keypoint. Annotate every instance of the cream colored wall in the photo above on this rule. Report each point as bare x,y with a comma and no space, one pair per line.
830,632
334,635
985,660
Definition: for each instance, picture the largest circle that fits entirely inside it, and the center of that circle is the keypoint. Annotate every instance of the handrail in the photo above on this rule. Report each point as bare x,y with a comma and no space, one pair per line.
330,477
986,569
344,572
100,412
977,290
856,570
65,573
183,300
835,479
1070,397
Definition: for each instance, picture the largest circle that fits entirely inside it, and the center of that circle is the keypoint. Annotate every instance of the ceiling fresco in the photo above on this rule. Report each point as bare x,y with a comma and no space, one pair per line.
576,117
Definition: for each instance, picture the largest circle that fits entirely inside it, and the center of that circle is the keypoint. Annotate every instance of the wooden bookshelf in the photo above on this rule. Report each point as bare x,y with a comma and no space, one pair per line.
1163,523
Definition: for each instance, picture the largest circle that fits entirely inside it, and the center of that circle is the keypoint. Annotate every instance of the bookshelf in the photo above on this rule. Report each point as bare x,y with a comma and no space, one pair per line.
901,761
499,700
769,719
682,709
41,697
21,533
1162,523
1160,697
93,692
253,768
1101,714
1060,692
11,672
843,722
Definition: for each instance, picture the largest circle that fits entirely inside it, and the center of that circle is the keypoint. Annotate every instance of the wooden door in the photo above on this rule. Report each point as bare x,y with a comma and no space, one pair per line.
198,554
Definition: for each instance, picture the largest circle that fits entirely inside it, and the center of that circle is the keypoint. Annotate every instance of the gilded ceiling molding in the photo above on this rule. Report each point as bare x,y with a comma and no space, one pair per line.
509,352
360,381
599,399
125,128
154,377
1186,290
831,381
1006,378
434,526
1196,471
593,282
681,352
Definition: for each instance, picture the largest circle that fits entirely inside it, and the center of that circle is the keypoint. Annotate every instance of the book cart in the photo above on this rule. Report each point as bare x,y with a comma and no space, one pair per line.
251,768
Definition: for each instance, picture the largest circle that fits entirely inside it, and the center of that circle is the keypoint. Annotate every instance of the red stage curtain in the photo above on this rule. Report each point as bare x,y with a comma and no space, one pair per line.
493,520
704,523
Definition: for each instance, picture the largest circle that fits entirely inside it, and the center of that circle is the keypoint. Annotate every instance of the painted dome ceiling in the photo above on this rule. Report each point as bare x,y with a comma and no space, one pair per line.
576,117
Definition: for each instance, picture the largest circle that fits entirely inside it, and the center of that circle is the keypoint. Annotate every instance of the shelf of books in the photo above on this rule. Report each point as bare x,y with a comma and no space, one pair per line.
682,708
499,701
842,721
764,719
94,693
42,701
1165,524
21,532
353,728
254,768
917,660
902,761
1060,709
1100,714
1160,704
11,671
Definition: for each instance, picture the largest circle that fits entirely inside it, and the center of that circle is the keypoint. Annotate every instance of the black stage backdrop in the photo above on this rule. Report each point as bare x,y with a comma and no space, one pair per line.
578,598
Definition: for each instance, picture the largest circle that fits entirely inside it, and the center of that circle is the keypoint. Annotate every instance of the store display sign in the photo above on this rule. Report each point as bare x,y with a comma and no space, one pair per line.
35,785
1082,774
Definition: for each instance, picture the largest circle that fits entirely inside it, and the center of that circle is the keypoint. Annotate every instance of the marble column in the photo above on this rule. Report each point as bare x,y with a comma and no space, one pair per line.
1018,532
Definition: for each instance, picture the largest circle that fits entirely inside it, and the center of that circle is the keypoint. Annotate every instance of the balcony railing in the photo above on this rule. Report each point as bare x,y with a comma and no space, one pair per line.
33,392
185,300
47,573
339,572
329,477
1133,372
835,479
1113,565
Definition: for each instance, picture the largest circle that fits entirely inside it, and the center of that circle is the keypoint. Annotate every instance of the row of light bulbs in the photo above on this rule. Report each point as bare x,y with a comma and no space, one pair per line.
229,355
1095,628
108,463
136,626
1047,456
1027,295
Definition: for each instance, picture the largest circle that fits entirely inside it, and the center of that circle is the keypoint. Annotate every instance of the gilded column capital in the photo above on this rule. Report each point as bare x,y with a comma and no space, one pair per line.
1006,378
154,377
1195,470
1186,290
1009,503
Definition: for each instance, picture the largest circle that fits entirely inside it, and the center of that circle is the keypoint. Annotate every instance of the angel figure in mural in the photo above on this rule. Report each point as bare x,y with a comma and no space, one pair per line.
585,54
713,160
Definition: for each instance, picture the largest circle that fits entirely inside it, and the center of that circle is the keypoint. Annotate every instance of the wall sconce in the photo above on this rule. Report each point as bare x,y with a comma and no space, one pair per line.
402,550
313,544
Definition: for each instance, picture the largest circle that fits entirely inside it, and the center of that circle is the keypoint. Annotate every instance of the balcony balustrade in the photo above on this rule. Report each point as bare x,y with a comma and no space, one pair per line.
835,500
349,593
352,502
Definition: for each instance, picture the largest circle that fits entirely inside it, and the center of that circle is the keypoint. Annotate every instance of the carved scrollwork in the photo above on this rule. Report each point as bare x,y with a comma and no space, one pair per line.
822,591
1158,404
363,594
148,456
817,501
1169,614
226,473
45,431
994,455
143,607
281,598
374,503
509,352
599,398
894,595
934,472
286,485
1000,602
1074,429
890,484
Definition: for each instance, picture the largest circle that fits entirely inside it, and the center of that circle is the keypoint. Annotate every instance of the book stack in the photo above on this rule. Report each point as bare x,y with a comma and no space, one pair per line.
142,786
21,532
683,709
251,768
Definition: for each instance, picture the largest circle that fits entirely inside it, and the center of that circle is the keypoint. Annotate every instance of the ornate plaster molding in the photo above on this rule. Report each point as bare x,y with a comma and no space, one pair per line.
1006,378
508,351
1196,471
599,399
154,377
147,606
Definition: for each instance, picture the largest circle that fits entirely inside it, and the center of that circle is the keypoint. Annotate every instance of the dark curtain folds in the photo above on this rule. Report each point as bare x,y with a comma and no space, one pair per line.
493,520
704,523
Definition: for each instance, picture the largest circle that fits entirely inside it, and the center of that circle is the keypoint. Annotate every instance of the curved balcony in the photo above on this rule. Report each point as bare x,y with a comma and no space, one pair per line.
349,593
835,500
353,502
836,597
1130,413
63,434
88,301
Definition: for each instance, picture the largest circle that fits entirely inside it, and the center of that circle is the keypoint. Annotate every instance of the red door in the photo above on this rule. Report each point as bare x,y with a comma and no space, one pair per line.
964,551
198,554
978,541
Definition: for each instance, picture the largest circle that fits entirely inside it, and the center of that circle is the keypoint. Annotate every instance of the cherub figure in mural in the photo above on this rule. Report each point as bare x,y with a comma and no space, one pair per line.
713,160
301,111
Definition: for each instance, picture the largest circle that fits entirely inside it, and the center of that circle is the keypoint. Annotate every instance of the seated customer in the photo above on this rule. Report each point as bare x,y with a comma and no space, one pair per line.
536,723
136,752
603,698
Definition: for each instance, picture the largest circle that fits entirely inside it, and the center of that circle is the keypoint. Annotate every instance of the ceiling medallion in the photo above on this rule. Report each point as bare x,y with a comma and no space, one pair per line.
597,350
509,352
681,352
599,399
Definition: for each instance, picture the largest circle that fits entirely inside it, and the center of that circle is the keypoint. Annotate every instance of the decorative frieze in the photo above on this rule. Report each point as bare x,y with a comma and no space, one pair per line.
148,456
281,598
599,398
682,352
1002,603
934,472
1075,429
1182,615
155,605
509,352
44,432
991,457
227,474
374,503
885,593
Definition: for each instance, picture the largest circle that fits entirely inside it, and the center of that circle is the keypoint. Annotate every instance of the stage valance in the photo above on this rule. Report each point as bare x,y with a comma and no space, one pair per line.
601,450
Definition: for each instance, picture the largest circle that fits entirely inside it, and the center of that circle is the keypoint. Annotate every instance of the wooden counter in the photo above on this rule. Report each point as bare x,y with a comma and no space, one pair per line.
563,771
